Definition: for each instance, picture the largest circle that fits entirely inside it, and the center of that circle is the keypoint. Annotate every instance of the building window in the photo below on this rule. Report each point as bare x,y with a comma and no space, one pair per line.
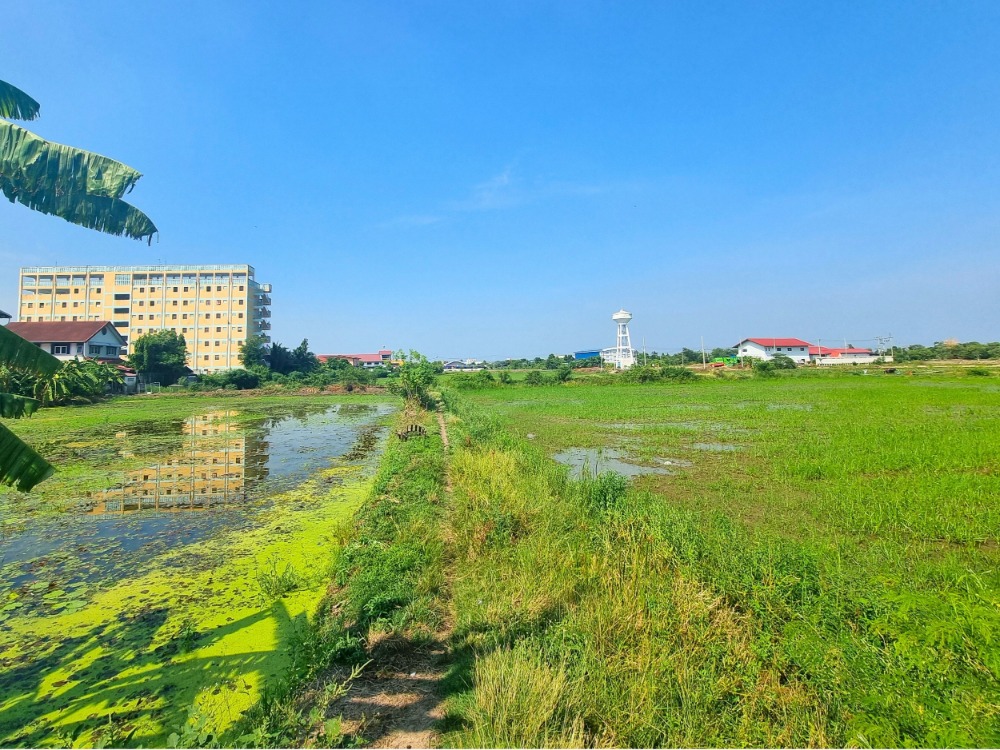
174,316
112,351
140,317
31,304
216,357
122,296
60,348
93,349
122,279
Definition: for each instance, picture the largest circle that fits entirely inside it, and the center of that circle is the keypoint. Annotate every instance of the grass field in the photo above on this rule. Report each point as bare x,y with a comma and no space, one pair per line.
819,567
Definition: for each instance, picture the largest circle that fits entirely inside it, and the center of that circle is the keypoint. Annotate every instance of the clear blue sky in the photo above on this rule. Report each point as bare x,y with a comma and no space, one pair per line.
493,179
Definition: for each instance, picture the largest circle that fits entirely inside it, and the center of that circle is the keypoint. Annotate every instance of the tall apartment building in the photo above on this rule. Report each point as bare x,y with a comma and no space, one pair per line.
215,308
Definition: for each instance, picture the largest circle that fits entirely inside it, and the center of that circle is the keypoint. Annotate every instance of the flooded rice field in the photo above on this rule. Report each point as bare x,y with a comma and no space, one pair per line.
168,564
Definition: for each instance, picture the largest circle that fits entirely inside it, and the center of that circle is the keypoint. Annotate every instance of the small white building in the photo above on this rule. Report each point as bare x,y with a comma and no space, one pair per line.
822,355
768,348
83,339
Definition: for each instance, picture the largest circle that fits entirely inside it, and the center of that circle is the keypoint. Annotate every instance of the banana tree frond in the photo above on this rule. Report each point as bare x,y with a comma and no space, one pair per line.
35,165
15,104
15,407
109,215
20,354
20,466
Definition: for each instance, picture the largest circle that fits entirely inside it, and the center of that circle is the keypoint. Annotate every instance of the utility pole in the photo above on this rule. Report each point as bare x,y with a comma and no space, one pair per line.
704,361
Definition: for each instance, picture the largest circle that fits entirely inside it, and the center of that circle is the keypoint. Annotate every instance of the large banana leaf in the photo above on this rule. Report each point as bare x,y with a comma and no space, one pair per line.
20,466
15,407
15,104
20,354
36,165
109,215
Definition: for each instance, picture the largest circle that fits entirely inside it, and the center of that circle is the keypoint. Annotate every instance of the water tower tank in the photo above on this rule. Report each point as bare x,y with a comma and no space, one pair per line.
622,316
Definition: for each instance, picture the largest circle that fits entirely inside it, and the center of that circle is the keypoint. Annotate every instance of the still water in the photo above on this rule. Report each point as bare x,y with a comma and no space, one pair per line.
207,473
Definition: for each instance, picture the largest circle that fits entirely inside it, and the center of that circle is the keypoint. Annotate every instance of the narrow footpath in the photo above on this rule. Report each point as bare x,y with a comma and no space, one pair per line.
397,700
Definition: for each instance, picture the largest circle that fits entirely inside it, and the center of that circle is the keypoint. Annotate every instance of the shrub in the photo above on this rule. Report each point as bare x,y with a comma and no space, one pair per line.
535,377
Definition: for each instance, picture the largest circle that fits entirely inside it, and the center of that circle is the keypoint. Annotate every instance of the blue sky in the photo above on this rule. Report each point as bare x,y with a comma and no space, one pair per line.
493,179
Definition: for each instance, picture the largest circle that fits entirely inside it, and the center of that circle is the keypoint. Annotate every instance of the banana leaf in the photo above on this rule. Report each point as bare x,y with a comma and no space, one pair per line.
16,407
37,165
109,215
15,104
20,466
20,354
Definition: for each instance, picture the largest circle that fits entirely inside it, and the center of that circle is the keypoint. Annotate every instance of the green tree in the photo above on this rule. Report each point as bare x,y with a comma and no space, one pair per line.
20,465
303,360
160,356
534,377
280,359
81,187
253,351
416,376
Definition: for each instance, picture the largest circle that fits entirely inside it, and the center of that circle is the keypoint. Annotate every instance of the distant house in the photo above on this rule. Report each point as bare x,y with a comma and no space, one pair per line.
462,365
383,358
587,354
822,355
768,348
83,339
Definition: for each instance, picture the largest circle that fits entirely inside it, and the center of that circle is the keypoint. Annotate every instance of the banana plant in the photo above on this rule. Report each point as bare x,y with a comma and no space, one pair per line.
82,187
20,465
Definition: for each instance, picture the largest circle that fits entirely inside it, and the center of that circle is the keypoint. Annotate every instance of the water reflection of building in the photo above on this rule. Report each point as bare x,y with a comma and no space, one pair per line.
216,465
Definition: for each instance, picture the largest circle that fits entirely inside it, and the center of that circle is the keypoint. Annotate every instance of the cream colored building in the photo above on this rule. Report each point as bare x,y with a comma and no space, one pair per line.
214,307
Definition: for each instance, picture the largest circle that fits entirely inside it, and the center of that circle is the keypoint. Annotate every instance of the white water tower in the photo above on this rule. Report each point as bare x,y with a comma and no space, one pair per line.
622,355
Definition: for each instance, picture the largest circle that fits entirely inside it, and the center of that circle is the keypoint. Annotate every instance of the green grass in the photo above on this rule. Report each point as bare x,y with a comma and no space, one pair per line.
833,580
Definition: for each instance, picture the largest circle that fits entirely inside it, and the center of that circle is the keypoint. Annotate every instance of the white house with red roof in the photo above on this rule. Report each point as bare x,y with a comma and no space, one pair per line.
823,355
768,348
381,359
77,339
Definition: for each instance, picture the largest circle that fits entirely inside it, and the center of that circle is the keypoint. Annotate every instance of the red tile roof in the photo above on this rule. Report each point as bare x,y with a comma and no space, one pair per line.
48,331
778,342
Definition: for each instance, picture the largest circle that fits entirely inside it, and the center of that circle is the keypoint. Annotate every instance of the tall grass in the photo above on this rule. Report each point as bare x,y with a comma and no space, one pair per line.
782,605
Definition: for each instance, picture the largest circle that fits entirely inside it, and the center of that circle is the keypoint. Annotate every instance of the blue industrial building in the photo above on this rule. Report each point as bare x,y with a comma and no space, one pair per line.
587,354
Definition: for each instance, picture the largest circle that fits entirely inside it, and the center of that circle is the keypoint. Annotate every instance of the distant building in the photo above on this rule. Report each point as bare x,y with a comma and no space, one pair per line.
92,339
462,365
822,355
587,354
768,348
383,358
214,307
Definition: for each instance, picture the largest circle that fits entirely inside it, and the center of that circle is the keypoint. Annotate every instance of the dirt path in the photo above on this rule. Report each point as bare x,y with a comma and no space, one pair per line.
397,699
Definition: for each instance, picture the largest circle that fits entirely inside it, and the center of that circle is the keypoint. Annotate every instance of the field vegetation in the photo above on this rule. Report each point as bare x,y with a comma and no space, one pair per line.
819,567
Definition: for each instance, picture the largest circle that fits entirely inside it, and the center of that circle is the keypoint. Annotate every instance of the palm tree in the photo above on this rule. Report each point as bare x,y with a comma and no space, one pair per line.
82,187
20,466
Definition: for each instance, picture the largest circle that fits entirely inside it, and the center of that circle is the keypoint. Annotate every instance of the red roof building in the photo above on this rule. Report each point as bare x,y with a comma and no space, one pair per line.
87,339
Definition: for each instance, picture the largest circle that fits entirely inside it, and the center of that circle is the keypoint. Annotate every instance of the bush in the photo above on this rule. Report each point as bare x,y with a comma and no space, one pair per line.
783,362
535,377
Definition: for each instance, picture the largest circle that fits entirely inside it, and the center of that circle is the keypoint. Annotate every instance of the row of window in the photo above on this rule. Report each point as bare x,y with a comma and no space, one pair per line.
29,292
93,350
237,329
46,281
184,316
160,289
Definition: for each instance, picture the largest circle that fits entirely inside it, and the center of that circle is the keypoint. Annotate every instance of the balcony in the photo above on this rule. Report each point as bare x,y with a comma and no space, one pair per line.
263,299
262,312
263,325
